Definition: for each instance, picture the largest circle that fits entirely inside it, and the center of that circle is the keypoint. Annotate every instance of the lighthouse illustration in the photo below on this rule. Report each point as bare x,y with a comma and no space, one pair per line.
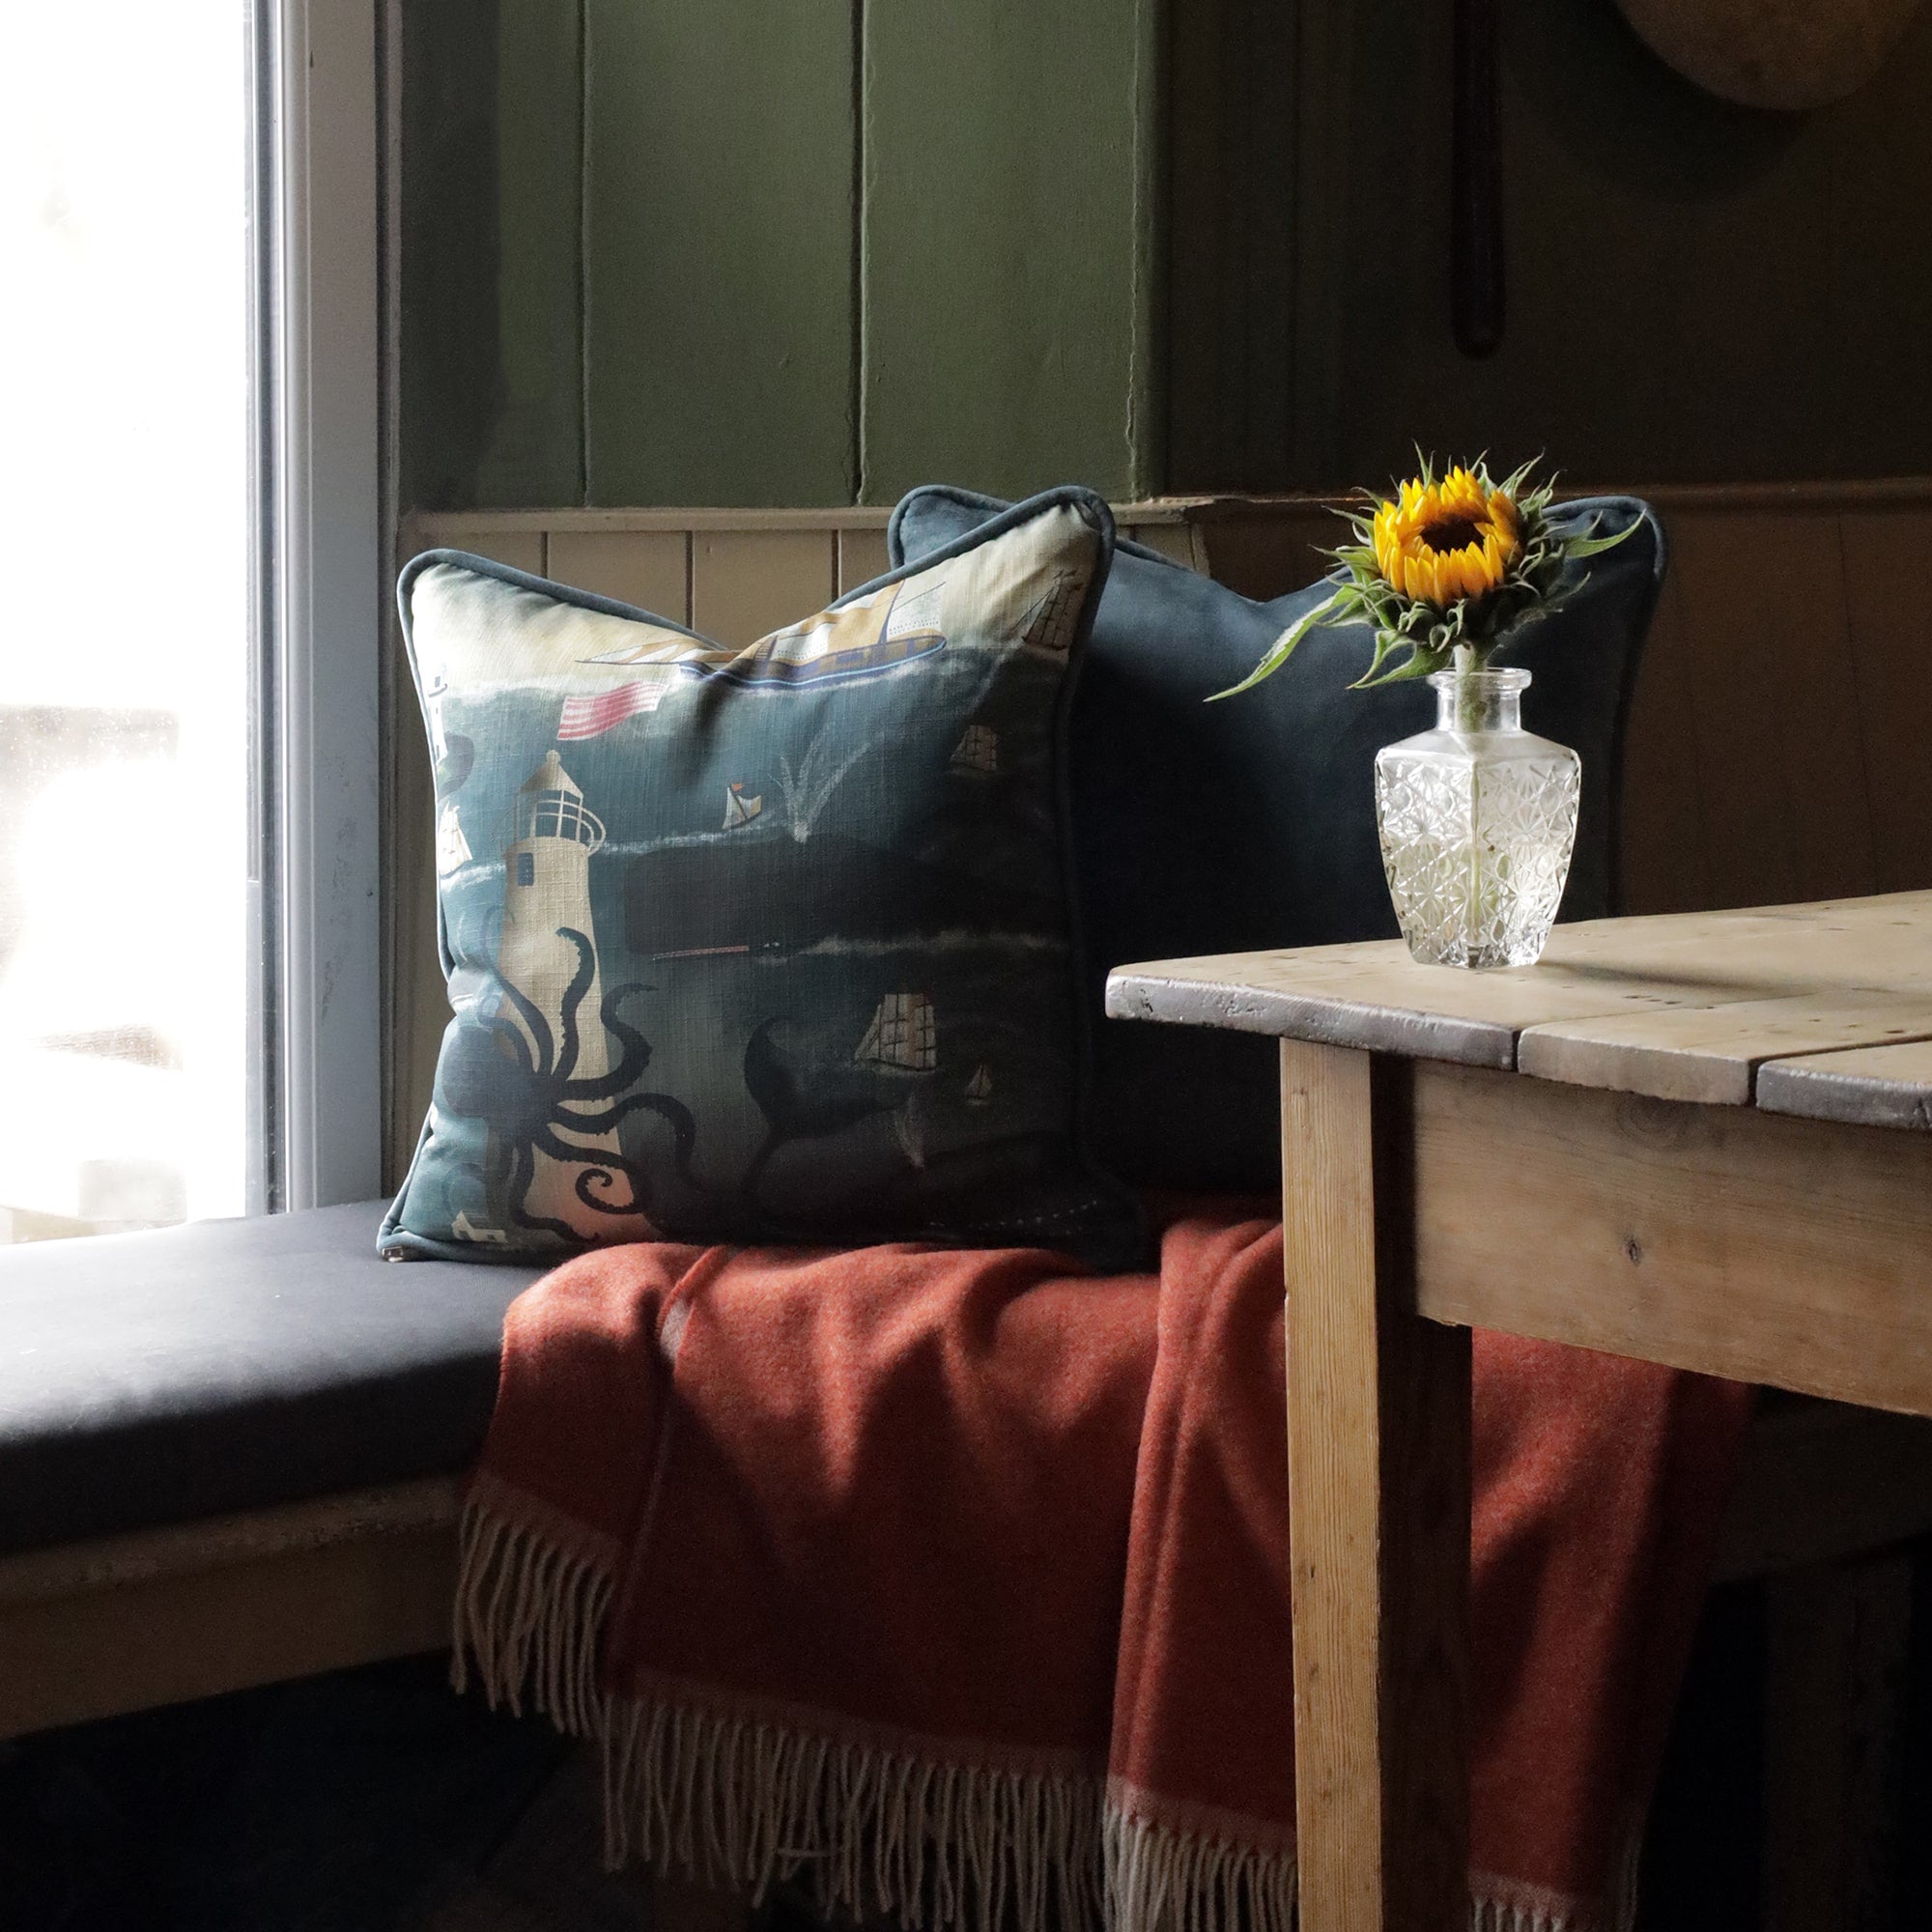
547,939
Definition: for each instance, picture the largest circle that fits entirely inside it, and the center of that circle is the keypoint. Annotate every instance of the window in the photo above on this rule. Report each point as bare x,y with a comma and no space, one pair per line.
125,794
190,651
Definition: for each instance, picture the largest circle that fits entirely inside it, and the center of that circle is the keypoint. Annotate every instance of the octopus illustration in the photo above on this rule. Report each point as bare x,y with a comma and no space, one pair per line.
524,1080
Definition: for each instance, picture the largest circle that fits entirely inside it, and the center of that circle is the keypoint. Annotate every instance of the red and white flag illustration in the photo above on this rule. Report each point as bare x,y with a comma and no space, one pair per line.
590,717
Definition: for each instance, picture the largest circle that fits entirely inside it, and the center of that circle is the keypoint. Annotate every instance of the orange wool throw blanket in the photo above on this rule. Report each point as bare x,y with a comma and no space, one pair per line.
958,1584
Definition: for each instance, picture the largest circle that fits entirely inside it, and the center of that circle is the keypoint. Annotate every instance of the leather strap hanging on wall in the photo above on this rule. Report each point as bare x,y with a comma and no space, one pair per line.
1789,54
1476,183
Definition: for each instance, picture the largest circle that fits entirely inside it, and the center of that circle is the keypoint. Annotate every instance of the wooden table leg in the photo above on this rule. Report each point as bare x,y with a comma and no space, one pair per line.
1378,1498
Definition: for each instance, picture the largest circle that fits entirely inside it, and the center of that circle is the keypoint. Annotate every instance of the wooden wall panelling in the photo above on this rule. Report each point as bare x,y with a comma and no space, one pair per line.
718,162
1662,842
1890,628
1010,219
1264,554
862,557
648,568
1231,69
1775,707
746,582
492,381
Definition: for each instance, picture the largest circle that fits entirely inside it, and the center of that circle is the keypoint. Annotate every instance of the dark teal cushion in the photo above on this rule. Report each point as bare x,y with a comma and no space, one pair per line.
761,944
1228,828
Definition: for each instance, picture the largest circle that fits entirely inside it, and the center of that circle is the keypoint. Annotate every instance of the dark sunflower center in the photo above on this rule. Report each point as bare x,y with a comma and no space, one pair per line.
1449,533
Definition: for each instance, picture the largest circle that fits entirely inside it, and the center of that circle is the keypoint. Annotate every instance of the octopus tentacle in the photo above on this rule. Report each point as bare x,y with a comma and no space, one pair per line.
523,1171
531,1015
504,1029
634,1057
573,999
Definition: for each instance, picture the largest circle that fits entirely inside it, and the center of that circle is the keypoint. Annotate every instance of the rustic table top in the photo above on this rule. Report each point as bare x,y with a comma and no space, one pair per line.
1823,1010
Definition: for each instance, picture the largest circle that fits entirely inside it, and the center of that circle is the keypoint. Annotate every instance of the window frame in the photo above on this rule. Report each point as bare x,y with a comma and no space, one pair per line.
321,503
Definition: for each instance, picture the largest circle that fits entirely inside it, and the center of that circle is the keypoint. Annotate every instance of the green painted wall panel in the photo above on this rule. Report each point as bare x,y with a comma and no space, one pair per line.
1011,229
491,390
720,236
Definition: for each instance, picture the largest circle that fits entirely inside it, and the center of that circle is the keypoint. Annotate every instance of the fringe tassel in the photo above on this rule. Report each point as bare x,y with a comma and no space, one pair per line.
1495,1915
525,1610
736,1802
1160,1880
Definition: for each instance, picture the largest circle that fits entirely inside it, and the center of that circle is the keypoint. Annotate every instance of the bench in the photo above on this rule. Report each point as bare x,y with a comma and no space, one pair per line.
229,1454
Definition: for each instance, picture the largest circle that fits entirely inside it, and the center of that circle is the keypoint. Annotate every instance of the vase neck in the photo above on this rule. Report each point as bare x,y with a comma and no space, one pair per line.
1479,700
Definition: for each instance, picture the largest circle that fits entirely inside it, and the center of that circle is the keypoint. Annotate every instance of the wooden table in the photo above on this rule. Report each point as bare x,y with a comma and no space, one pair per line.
1719,1162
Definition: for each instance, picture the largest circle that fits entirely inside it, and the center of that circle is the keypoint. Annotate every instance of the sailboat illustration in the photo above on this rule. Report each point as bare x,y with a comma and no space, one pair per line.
740,809
979,1088
978,753
901,1037
1054,616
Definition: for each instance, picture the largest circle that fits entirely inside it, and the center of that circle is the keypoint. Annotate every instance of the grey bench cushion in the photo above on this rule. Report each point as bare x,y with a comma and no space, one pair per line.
151,1379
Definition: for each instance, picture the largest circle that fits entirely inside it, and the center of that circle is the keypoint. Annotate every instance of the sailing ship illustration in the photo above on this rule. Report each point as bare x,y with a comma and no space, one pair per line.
740,809
903,1038
1054,616
979,1088
978,753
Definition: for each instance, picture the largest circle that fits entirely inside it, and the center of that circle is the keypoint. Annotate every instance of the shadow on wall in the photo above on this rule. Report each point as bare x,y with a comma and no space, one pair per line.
1605,99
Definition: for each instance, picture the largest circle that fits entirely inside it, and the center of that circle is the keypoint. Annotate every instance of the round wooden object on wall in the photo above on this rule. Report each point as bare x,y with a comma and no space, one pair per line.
1773,53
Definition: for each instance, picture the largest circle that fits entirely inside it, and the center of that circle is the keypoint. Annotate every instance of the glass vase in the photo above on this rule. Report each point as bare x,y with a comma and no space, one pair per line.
1477,819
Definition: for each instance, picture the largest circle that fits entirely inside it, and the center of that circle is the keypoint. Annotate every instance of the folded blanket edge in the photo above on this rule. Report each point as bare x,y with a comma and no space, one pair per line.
746,1798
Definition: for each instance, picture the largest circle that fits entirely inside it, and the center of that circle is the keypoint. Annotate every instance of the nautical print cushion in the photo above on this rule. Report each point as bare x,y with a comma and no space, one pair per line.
1232,828
762,945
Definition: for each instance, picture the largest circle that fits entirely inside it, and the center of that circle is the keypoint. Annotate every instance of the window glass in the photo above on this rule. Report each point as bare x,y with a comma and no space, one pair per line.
124,778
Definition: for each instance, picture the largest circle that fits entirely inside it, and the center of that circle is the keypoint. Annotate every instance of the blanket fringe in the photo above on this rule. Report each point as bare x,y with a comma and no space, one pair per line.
1494,1915
527,1614
1159,1880
740,1801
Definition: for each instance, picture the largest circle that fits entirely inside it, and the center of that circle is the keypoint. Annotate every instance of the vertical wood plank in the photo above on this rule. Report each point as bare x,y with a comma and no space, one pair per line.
862,557
1774,709
1233,68
720,158
1266,554
1890,643
1379,1502
491,374
648,568
1663,843
747,582
1010,221
1175,540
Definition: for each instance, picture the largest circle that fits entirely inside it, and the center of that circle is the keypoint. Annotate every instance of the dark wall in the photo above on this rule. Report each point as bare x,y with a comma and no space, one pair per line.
1694,290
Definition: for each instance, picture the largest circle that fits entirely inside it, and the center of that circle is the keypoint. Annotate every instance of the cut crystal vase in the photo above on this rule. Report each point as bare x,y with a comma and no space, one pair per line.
1477,820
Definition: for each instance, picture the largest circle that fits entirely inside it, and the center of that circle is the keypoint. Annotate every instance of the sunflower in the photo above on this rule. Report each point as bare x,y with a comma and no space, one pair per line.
1447,540
1444,570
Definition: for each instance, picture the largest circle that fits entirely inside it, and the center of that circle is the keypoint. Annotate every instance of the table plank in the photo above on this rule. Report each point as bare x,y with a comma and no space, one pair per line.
1711,1054
1870,1086
1854,960
1724,1239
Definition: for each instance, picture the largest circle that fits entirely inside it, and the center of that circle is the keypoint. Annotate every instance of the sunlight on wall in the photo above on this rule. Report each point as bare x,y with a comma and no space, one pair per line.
124,776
